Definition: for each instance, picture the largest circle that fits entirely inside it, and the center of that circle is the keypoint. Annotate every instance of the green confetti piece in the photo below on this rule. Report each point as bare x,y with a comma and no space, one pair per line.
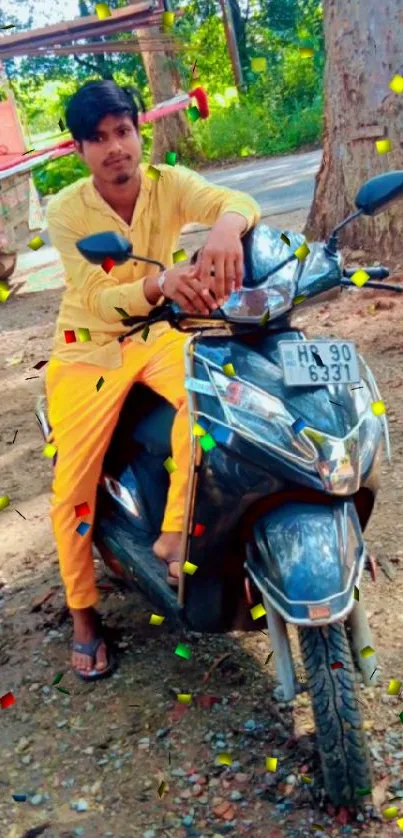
285,239
84,335
99,384
145,332
265,318
363,792
58,677
179,256
269,657
207,442
122,312
401,717
62,690
183,651
170,158
61,125
193,113
170,465
4,502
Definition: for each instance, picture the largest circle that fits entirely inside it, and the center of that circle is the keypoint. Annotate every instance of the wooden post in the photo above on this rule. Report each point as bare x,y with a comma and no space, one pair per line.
232,44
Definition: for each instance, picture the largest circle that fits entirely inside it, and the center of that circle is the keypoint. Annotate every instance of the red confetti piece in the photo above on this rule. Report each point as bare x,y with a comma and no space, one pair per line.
199,529
108,264
7,700
207,701
69,336
337,665
82,509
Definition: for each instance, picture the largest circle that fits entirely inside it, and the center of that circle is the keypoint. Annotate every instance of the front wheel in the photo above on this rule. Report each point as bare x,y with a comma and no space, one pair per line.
339,729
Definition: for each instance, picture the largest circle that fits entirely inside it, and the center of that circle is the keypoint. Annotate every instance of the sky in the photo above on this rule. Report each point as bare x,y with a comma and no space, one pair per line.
68,10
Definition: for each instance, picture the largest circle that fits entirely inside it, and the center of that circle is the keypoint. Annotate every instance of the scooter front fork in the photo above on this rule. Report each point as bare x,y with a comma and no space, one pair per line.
361,639
280,642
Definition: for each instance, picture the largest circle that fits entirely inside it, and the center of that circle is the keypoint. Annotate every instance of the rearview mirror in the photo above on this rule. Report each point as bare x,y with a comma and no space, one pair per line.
96,248
379,191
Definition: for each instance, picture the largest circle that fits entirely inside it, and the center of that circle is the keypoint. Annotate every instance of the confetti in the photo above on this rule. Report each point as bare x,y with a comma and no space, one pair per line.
162,789
103,11
107,265
259,64
258,611
156,620
61,125
36,243
83,528
49,450
373,673
337,665
99,383
20,514
198,430
224,759
4,501
207,442
193,113
15,437
400,824
153,173
265,318
179,256
397,84
145,332
378,408
84,335
170,465
183,651
300,299
363,792
19,798
58,677
401,717
121,311
62,690
7,700
383,146
359,278
9,26
305,778
229,370
189,568
315,435
184,698
298,425
170,158
318,360
168,19
356,593
269,657
271,763
394,687
82,509
390,812
306,52
221,434
69,336
4,292
39,365
199,529
285,239
302,251
366,652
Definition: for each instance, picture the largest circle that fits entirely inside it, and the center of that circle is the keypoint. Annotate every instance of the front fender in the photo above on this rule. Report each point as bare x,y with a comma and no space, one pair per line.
306,559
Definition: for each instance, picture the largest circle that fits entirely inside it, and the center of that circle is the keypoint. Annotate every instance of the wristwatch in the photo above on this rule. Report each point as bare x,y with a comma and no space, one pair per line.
161,282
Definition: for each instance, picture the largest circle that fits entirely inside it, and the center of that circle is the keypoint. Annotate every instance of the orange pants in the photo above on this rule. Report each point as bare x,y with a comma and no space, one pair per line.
83,421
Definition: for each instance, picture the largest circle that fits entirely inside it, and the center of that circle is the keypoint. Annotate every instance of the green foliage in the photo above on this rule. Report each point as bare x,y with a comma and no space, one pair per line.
53,176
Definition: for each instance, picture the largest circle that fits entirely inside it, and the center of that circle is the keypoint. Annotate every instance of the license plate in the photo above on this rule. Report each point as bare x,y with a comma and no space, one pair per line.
310,363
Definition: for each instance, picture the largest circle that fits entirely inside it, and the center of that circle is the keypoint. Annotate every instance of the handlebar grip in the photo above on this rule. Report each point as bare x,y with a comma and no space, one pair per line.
379,272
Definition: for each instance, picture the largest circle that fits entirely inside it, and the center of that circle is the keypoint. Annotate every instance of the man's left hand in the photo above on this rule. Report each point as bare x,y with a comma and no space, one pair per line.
223,255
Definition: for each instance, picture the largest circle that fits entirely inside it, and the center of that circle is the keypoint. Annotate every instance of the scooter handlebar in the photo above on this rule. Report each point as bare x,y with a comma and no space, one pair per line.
379,272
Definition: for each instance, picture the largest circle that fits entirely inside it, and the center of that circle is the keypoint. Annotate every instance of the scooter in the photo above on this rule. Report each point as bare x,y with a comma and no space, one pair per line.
287,436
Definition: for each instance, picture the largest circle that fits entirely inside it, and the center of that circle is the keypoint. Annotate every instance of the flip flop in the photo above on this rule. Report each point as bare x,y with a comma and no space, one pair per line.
90,649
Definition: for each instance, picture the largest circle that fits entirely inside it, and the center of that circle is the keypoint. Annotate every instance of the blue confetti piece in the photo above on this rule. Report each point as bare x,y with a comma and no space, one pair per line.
83,528
19,798
298,425
204,423
221,434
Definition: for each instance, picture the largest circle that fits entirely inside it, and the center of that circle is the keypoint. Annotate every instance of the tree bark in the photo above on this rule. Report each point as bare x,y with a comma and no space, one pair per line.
363,53
171,133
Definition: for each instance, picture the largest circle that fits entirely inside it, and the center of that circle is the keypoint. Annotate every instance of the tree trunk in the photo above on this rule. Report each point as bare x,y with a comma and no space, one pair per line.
363,53
171,133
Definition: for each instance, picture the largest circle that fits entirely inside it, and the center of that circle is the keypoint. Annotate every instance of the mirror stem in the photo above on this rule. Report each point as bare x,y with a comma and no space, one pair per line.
332,244
151,261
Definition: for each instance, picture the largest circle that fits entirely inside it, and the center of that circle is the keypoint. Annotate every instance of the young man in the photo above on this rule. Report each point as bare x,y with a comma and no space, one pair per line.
119,196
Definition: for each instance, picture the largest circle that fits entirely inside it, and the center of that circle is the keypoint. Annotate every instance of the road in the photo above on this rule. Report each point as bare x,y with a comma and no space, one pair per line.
278,184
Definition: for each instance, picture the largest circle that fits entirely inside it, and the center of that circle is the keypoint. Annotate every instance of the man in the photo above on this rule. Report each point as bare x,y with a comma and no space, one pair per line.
103,120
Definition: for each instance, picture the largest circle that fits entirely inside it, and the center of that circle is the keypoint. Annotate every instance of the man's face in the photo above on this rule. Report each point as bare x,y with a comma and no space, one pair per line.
114,152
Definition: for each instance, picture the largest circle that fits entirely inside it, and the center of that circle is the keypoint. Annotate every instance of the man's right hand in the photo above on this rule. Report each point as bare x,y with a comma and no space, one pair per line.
182,286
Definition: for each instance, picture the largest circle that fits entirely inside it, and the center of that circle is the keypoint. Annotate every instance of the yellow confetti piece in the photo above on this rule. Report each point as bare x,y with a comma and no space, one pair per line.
84,335
400,824
229,370
258,611
49,450
378,408
397,84
4,501
300,299
184,698
383,146
36,243
305,778
356,593
168,19
259,64
367,651
359,278
315,435
153,173
198,430
224,759
170,465
156,620
162,788
306,52
390,812
4,292
394,687
302,251
190,568
271,763
103,11
179,256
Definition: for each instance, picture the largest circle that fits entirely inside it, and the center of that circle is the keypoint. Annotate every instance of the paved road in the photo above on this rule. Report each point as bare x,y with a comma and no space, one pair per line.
279,184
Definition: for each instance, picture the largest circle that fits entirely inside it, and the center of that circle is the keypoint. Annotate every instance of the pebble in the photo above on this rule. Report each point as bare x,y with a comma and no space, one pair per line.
80,805
26,759
151,833
236,795
36,800
187,820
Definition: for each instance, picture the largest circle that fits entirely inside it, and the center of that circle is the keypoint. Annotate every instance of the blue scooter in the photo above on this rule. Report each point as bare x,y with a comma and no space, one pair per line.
286,442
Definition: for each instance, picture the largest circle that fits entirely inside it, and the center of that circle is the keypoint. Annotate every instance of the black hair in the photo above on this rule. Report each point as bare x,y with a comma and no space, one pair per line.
97,99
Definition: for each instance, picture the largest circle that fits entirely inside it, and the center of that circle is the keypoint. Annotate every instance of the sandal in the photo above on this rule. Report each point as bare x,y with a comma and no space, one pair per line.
90,649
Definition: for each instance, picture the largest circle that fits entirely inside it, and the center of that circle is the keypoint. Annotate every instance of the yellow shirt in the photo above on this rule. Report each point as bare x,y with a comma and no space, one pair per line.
163,207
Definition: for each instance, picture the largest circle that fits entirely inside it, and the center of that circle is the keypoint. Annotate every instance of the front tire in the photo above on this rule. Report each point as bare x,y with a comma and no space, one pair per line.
341,738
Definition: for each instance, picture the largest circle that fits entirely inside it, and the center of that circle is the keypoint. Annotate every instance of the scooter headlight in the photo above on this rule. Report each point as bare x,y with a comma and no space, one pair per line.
261,417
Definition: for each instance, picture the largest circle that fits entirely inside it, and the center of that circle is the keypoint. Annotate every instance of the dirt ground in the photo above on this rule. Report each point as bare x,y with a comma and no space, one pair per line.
91,760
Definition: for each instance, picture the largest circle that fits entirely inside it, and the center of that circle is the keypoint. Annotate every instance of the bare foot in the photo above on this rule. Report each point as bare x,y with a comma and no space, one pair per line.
86,630
167,548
